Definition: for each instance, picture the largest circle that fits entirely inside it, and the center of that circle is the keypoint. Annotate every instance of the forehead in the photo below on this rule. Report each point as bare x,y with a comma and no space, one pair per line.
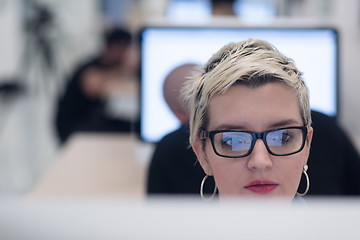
257,109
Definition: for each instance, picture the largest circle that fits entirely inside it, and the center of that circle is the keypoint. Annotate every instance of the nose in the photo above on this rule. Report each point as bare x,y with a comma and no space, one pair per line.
259,158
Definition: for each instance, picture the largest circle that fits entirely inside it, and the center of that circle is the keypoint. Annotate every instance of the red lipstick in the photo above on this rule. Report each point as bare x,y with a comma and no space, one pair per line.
261,186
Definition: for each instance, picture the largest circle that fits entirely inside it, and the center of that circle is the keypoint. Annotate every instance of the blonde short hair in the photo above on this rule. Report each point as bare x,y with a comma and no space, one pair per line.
251,63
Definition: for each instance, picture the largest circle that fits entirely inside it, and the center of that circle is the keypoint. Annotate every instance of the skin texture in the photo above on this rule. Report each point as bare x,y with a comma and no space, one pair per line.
171,90
271,106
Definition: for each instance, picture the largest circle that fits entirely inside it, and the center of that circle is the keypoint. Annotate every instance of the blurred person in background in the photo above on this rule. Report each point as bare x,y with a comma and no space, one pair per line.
222,8
173,168
83,105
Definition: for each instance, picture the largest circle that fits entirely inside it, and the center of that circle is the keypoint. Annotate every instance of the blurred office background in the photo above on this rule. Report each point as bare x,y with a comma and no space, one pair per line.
42,40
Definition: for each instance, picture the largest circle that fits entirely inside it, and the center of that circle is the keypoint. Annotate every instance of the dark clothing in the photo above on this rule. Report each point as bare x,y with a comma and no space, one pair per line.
78,112
334,164
174,168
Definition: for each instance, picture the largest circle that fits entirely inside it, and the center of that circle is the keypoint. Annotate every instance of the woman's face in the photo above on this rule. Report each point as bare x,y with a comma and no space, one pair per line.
260,174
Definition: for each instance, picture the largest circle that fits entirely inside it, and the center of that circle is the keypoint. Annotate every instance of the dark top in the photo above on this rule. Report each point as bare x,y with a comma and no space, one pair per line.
78,112
174,168
334,164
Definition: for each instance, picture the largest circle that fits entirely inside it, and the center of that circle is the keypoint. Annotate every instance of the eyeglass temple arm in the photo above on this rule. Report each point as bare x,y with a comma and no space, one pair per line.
203,134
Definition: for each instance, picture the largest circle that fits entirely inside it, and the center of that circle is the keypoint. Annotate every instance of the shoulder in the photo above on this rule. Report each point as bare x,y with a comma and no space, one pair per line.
180,135
175,144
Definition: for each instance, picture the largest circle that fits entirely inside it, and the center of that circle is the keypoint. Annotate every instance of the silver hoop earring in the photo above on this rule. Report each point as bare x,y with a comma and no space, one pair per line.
307,182
202,190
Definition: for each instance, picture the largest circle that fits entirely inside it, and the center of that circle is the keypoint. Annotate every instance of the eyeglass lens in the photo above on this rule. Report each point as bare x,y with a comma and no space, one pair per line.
278,142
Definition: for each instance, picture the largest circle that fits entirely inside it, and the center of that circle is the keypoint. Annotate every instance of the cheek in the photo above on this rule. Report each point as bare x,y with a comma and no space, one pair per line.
228,173
291,169
295,163
205,156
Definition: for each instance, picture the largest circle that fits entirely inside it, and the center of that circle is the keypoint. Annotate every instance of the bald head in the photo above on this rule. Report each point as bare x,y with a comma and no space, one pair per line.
172,85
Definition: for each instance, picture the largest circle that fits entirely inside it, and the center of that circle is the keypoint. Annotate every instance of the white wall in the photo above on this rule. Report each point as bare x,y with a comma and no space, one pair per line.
10,39
347,15
27,141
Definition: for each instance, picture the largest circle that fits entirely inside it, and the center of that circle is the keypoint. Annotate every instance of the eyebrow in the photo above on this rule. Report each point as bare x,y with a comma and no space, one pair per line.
282,123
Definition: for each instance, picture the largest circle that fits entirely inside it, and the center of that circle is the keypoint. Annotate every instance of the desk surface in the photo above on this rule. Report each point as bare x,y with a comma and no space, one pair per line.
96,165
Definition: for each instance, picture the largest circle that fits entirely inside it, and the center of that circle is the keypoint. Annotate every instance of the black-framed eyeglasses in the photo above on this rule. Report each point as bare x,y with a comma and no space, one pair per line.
237,144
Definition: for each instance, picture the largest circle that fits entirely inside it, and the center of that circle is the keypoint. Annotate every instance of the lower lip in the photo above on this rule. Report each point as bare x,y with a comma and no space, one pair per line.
262,188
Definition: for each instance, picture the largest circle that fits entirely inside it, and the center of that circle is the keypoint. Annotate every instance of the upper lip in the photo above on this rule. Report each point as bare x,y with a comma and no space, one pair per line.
260,183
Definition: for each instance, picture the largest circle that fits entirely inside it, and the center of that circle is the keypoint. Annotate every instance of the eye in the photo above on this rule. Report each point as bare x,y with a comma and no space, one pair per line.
280,137
286,137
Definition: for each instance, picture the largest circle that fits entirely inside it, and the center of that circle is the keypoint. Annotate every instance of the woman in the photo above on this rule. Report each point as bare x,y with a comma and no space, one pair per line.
250,123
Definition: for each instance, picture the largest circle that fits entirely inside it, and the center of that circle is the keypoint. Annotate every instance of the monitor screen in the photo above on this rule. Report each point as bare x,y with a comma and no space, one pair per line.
314,50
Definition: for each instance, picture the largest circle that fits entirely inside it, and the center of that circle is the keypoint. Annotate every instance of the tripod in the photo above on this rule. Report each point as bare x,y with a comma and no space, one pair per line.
39,64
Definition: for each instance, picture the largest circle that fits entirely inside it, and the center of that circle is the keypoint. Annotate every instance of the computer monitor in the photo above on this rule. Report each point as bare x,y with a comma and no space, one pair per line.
314,50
